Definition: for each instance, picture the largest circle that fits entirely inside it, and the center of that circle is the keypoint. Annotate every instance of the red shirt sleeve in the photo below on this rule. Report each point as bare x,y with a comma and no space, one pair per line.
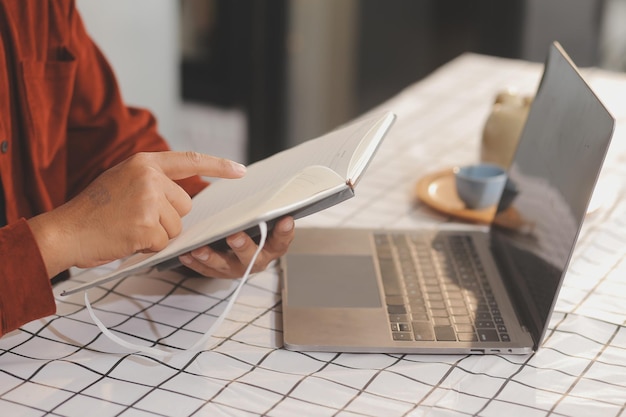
26,292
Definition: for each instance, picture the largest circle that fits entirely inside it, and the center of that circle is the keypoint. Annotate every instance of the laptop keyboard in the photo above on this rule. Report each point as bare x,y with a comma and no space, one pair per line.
436,289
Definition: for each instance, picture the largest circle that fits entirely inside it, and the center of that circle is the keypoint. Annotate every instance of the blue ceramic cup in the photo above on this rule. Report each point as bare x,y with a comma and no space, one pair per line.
480,186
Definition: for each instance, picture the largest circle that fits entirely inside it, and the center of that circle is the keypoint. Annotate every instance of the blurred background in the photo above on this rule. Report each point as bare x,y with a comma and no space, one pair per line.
244,79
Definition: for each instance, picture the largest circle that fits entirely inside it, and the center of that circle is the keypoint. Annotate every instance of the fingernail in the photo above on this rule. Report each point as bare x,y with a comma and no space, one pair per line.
238,168
237,242
201,254
286,225
185,259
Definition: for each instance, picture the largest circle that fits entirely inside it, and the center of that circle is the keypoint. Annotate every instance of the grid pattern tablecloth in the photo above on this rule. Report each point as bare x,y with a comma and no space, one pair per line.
62,365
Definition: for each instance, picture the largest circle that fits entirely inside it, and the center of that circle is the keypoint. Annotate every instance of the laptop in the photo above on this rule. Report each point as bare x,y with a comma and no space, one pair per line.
465,292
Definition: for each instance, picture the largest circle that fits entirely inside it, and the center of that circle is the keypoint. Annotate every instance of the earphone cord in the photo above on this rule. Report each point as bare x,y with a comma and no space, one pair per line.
202,342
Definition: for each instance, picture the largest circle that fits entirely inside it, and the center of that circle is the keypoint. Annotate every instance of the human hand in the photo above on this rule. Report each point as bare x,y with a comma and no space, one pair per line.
133,207
233,262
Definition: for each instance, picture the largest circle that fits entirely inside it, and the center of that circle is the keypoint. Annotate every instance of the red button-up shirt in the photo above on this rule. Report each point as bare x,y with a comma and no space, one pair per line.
62,123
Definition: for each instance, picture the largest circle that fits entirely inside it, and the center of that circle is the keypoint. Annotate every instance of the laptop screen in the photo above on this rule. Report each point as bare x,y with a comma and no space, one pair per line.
551,180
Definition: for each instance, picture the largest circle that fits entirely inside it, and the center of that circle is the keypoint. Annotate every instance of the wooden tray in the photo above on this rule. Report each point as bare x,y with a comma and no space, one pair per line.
438,191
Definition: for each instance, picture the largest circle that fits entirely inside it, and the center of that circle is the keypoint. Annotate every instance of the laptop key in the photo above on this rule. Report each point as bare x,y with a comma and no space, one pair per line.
420,316
441,321
487,335
483,316
402,336
394,300
439,312
464,328
423,331
468,337
445,333
396,318
462,319
396,309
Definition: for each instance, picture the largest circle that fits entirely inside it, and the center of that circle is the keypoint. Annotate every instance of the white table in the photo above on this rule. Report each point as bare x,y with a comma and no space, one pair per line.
62,365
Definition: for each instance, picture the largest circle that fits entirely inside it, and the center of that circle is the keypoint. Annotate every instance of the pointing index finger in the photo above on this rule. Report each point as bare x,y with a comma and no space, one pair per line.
179,165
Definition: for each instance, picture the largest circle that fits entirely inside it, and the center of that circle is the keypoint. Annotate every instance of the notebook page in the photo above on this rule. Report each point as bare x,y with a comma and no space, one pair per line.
334,150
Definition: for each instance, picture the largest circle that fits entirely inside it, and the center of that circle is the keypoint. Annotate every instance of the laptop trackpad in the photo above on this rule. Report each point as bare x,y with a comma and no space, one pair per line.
331,281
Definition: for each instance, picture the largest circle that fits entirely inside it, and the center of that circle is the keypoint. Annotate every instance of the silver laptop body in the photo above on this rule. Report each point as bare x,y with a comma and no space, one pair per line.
357,290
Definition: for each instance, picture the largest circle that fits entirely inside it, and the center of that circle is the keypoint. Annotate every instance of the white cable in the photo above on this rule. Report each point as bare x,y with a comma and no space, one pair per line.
200,344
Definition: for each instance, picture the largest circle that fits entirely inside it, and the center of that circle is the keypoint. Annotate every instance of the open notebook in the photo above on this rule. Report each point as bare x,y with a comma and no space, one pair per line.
299,181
